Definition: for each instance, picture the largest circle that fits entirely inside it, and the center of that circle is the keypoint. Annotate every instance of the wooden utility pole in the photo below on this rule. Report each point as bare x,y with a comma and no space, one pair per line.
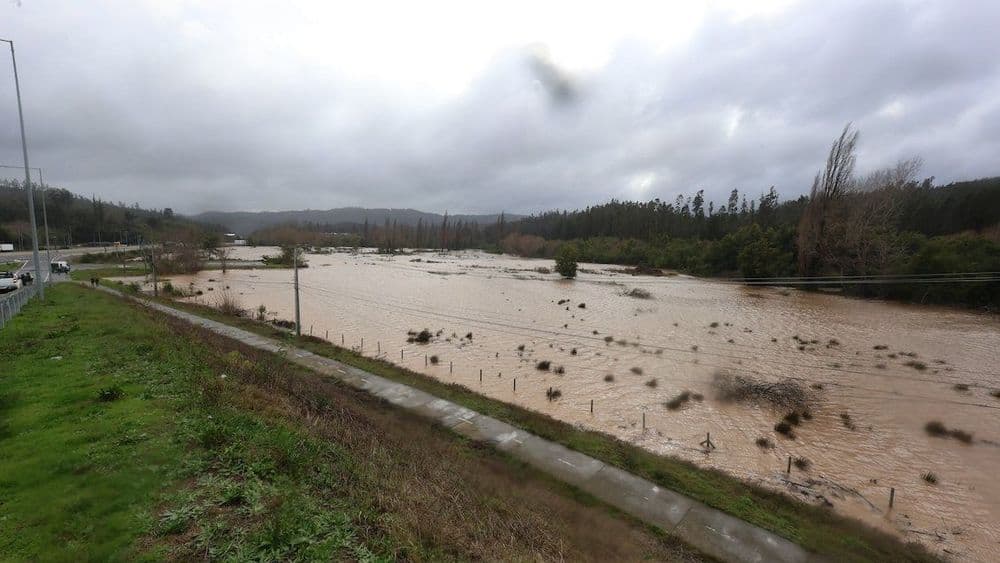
295,265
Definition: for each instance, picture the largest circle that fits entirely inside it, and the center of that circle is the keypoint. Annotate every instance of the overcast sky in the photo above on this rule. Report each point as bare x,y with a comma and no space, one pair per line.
517,106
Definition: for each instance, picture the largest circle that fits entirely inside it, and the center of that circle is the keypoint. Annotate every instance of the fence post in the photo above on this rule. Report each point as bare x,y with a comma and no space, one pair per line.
788,470
591,406
892,495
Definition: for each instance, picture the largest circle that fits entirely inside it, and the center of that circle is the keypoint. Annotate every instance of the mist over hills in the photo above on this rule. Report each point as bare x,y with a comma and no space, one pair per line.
246,222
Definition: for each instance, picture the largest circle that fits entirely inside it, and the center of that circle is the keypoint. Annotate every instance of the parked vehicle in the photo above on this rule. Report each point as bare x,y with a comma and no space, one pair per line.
60,267
26,278
6,247
9,282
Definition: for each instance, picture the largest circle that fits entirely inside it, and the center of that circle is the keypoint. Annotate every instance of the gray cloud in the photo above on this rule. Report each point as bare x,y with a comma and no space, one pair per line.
136,108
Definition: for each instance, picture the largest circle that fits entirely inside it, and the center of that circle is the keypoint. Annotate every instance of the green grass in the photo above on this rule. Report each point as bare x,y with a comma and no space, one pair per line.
7,266
106,272
120,438
816,528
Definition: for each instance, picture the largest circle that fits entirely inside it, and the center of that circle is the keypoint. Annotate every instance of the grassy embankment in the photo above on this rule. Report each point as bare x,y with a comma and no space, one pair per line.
128,435
816,528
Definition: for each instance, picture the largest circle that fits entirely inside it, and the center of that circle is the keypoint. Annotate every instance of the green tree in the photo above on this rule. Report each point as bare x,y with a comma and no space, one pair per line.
566,258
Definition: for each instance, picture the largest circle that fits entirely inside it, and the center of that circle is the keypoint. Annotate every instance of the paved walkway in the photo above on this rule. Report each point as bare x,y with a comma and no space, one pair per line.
707,529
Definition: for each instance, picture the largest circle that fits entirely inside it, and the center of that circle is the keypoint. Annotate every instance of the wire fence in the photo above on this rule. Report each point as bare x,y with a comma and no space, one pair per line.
11,303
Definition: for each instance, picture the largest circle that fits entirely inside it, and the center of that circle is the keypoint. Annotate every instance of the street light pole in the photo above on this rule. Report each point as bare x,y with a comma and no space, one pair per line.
27,175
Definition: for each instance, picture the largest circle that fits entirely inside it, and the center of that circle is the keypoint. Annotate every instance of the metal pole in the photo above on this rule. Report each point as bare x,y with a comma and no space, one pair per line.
45,219
152,265
295,265
27,173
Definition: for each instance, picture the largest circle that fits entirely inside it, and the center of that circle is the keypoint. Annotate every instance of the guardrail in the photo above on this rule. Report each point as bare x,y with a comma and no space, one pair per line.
11,303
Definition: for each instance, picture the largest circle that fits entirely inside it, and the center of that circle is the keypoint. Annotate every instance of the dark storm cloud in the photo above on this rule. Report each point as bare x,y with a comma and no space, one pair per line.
131,108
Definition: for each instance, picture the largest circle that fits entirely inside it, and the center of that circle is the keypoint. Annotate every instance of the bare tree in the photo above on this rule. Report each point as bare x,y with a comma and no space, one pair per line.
828,189
222,255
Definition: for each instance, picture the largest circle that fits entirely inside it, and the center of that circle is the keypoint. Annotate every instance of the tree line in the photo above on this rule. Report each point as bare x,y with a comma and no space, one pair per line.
75,220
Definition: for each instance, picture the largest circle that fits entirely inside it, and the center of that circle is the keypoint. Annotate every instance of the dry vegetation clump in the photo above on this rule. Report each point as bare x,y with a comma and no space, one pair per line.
435,360
929,477
961,387
422,337
845,419
572,352
678,401
937,429
636,370
229,304
638,293
609,378
802,463
582,306
880,347
995,393
608,339
652,383
916,364
520,347
543,365
553,394
764,443
543,270
784,429
559,370
714,325
746,389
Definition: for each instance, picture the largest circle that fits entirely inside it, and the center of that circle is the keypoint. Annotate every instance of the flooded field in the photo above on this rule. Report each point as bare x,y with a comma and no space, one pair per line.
861,379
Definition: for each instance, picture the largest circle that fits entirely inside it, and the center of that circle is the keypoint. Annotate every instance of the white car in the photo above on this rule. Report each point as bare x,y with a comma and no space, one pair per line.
9,282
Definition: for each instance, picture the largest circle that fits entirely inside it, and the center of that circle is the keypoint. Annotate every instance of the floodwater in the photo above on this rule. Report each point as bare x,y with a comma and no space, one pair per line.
666,344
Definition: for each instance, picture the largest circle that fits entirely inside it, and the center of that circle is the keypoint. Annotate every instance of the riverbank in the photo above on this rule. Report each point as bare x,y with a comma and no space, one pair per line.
182,444
817,528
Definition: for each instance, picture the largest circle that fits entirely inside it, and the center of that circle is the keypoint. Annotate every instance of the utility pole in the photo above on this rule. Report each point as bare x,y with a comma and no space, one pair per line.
295,266
27,175
45,219
152,265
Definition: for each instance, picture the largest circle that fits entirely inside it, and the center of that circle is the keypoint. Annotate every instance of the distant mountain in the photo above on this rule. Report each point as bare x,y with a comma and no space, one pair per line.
246,222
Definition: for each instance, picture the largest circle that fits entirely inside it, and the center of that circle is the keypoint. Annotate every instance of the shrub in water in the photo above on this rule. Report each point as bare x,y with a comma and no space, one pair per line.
785,429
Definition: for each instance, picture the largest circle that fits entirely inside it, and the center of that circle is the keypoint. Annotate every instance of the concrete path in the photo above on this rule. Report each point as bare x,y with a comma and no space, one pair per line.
707,529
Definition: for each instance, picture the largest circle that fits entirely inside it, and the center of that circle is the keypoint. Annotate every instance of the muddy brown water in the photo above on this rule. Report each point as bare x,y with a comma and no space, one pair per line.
670,338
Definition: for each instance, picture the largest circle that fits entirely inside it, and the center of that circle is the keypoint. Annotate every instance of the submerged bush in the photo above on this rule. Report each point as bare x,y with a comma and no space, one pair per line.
937,429
785,429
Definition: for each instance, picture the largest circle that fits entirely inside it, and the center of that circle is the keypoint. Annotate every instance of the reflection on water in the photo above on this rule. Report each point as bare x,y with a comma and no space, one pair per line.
499,315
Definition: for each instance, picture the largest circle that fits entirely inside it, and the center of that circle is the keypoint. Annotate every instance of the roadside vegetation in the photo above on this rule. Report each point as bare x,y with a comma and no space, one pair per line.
818,529
129,435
